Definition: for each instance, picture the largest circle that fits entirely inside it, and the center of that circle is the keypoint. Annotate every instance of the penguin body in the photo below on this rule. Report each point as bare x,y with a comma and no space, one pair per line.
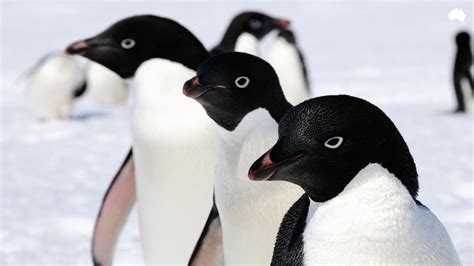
106,87
360,185
247,43
173,140
173,199
54,84
243,132
462,72
375,210
289,64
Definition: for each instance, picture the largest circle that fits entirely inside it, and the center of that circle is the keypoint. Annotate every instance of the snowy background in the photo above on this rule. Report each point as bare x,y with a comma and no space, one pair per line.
398,55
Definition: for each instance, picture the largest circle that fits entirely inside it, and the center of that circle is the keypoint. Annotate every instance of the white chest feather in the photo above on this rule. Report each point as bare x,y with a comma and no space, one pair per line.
284,58
247,43
52,85
374,220
174,151
245,205
105,86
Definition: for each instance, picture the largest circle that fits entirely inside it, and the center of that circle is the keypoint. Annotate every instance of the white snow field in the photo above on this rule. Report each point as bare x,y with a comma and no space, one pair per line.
396,54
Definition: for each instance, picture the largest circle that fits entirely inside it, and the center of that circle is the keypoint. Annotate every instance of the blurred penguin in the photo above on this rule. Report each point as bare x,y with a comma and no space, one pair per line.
106,87
462,70
287,60
246,30
55,82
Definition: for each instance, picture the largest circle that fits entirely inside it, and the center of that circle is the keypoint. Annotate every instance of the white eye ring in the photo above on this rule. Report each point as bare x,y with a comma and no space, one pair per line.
127,43
333,146
255,24
239,84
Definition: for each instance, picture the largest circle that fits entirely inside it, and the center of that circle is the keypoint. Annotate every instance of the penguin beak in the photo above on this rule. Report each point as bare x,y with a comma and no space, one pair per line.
282,23
83,46
194,89
77,48
264,168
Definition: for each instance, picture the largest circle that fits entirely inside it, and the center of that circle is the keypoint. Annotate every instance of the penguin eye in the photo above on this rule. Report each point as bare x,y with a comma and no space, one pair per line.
255,24
242,82
333,143
127,43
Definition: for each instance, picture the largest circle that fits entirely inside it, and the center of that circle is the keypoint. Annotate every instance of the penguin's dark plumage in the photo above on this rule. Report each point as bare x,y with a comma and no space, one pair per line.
245,83
462,68
128,43
254,23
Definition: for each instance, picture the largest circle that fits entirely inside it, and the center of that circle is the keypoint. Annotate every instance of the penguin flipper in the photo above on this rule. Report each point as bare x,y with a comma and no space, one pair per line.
288,248
209,249
79,91
116,206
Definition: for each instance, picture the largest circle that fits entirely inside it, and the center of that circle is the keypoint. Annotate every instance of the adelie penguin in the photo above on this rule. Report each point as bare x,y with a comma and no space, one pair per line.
54,83
173,158
360,204
462,71
241,93
105,86
288,61
245,31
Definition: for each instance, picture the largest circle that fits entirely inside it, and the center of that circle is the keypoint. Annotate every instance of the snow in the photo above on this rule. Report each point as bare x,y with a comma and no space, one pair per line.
398,55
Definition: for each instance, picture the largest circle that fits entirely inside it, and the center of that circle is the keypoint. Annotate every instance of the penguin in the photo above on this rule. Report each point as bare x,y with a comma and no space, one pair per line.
106,87
245,30
462,70
360,204
287,59
54,83
245,100
173,140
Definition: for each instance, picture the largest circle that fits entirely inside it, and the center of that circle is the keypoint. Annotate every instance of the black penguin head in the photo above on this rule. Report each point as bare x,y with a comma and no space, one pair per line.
257,24
131,41
324,142
288,35
463,39
231,85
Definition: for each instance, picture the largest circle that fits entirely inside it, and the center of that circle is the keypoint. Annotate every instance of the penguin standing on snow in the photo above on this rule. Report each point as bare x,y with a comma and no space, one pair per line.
245,31
462,70
360,184
54,83
241,93
173,157
288,62
106,87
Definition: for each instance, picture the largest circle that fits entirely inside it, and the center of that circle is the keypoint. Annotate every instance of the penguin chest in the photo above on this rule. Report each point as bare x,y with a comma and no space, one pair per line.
245,205
375,221
247,43
174,152
285,59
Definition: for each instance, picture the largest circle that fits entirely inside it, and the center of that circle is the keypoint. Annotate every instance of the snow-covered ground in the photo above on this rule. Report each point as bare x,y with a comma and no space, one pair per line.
396,54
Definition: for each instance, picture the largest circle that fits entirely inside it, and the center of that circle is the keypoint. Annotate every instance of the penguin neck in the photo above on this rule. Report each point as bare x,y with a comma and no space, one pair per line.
278,108
237,40
376,187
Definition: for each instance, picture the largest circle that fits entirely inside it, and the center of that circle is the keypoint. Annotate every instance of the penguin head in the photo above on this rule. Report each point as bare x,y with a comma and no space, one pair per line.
324,142
257,24
463,39
230,85
288,35
131,41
